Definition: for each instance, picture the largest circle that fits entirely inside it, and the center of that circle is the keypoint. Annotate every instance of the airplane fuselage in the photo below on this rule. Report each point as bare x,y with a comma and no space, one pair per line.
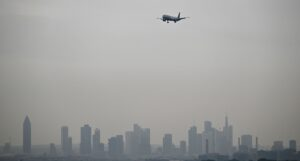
170,18
167,18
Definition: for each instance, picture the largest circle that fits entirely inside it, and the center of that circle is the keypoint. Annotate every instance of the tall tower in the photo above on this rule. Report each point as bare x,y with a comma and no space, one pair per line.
167,144
192,141
228,134
226,121
64,139
256,143
137,142
239,143
145,147
86,140
182,147
27,135
293,145
116,146
246,140
96,141
206,146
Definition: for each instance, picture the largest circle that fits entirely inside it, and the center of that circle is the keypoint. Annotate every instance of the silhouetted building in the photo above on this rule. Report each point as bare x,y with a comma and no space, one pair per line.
256,143
217,141
7,148
145,146
293,145
116,146
52,151
207,126
199,144
137,142
101,149
85,143
167,144
206,147
239,143
277,146
65,140
97,147
69,148
221,144
209,134
192,140
129,143
27,135
228,135
182,147
246,142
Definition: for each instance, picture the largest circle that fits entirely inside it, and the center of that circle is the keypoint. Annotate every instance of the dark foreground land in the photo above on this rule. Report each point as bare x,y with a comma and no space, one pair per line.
22,158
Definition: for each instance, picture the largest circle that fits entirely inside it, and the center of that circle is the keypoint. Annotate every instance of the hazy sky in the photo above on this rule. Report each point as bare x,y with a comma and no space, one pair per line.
112,63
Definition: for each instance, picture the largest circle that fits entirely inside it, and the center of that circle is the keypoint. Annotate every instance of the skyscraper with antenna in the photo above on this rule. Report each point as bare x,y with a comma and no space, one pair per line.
27,136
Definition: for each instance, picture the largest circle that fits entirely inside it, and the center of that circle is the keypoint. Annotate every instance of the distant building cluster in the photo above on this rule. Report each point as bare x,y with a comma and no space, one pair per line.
210,144
211,140
137,142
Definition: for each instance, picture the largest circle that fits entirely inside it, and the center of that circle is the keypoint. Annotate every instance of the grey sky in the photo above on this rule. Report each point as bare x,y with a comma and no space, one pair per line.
112,64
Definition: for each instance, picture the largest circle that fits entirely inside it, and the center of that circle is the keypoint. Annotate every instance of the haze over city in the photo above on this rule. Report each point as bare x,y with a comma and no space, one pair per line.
111,64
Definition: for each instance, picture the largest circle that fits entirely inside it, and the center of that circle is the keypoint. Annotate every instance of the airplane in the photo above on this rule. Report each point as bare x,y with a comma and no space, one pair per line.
172,18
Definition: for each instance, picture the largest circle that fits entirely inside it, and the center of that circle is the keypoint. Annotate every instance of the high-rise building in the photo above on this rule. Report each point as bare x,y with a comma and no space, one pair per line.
256,143
129,142
120,143
52,151
116,146
112,146
206,146
293,145
208,136
69,148
167,144
246,141
220,142
85,143
101,149
199,144
207,125
228,136
239,143
96,142
137,142
7,148
211,140
277,146
182,147
27,135
192,140
64,139
145,147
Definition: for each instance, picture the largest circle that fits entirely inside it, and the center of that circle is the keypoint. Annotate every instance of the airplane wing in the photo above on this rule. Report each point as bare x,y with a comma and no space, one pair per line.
185,17
182,18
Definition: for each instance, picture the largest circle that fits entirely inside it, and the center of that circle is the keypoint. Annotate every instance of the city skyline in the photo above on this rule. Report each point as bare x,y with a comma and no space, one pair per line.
91,142
66,139
111,64
211,142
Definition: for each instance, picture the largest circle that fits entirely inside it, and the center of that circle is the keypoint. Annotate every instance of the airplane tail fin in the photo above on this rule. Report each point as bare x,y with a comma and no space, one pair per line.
178,15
